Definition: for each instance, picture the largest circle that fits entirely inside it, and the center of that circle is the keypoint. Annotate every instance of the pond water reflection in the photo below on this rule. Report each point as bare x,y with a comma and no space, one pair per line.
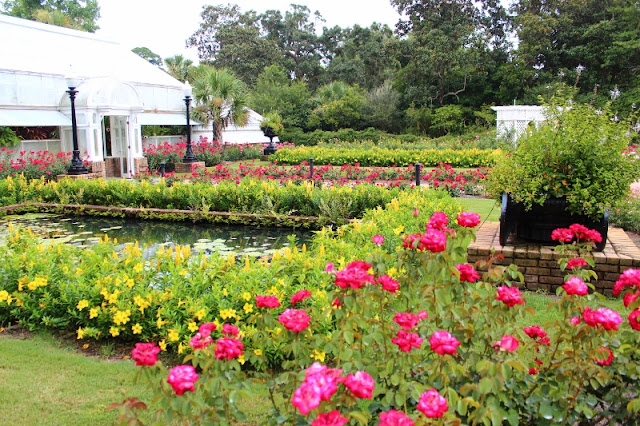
87,230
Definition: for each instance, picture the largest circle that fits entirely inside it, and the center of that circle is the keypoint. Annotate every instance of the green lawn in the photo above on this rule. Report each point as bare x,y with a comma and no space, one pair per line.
488,209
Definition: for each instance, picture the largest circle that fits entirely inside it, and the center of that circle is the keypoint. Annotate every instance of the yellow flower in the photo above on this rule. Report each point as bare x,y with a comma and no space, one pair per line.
130,283
192,326
38,282
225,293
93,312
318,356
121,317
248,308
80,332
228,313
163,345
392,272
398,230
241,359
115,331
258,352
136,329
82,304
200,314
138,268
160,322
4,295
246,296
181,348
174,335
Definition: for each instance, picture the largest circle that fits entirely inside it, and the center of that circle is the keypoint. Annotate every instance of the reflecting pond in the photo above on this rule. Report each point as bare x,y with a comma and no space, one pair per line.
209,238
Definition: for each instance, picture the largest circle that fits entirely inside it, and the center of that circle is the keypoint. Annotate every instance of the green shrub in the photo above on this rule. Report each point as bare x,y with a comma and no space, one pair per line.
626,214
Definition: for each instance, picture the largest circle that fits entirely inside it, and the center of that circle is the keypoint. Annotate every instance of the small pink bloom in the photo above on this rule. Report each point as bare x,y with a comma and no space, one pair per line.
306,398
634,319
607,318
433,240
377,239
145,353
416,213
439,221
629,278
200,342
406,320
228,348
575,320
579,231
336,303
510,296
182,378
629,298
270,302
329,268
360,384
468,219
576,263
395,418
575,286
442,342
432,404
562,234
230,329
300,296
330,419
607,356
295,320
507,343
535,331
467,273
206,329
354,275
388,283
405,340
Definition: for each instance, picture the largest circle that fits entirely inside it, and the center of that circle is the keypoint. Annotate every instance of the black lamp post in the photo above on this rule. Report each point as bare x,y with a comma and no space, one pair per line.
189,157
77,166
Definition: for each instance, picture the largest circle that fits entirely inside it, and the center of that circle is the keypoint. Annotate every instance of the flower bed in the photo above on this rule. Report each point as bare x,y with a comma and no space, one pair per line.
33,164
383,157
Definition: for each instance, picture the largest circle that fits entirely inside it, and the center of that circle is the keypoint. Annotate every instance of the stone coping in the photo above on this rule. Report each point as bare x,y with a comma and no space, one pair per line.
538,262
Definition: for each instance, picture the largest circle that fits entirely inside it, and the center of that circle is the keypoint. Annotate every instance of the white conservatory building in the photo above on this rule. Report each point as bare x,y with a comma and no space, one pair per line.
513,120
118,92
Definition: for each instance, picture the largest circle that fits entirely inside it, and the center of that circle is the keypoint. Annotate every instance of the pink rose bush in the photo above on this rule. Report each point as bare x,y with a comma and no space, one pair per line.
145,353
182,378
432,404
575,286
442,342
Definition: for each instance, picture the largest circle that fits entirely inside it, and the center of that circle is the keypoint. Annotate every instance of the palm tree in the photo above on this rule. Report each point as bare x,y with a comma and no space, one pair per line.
220,98
178,67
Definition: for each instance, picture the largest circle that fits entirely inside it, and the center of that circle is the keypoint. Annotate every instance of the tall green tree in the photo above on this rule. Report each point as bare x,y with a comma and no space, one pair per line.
178,67
148,55
340,106
220,99
76,14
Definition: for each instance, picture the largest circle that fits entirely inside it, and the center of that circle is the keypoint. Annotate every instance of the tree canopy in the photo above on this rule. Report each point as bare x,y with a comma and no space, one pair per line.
76,14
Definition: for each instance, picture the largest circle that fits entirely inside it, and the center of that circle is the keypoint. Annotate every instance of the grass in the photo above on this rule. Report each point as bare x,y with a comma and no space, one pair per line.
488,209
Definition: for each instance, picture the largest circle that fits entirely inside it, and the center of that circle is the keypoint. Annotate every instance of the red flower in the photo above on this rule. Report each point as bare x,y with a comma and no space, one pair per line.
354,275
535,331
607,318
579,231
300,296
206,329
467,273
575,320
145,353
629,278
409,239
442,342
228,348
438,221
405,340
575,286
576,263
407,320
433,240
510,296
377,239
395,418
629,298
562,235
182,378
608,356
416,213
507,343
634,320
432,404
388,283
468,219
270,302
200,342
306,398
329,419
533,371
360,384
230,329
295,320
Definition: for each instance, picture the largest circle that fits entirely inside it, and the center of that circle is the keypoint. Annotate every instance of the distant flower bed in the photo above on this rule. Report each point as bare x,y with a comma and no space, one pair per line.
33,164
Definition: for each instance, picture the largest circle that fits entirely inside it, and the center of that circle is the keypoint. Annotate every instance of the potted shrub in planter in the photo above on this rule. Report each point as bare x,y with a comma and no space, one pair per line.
271,126
570,170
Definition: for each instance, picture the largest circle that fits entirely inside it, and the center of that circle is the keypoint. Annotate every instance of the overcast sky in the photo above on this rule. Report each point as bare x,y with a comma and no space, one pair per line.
164,25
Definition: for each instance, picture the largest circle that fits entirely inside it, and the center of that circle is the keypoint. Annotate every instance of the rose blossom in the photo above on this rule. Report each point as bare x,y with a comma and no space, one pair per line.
468,219
562,234
409,239
629,298
354,275
228,348
395,418
330,419
360,384
433,240
629,278
329,268
535,331
300,296
510,296
575,286
306,398
634,320
377,240
388,283
439,221
442,342
432,404
607,318
407,320
575,320
199,342
405,340
576,263
206,329
606,352
270,302
145,353
230,329
579,231
182,378
467,273
416,212
295,320
507,343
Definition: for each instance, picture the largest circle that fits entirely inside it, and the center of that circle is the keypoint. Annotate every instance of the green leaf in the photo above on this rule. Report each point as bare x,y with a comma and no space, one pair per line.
359,416
546,411
485,385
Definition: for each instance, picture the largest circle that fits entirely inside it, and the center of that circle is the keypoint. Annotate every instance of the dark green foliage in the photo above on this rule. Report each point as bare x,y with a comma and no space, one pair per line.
76,14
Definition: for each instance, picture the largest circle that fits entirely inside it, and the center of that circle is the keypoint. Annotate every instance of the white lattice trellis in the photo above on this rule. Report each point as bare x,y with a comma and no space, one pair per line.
512,121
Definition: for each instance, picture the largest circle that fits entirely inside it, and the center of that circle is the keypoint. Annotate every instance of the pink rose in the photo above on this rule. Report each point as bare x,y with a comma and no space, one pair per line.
467,273
295,320
439,221
354,275
306,398
575,320
360,384
432,404
206,329
270,302
433,240
388,283
468,219
405,340
607,356
330,419
416,213
409,239
633,319
510,296
535,331
228,348
145,353
562,234
377,239
300,296
575,286
629,278
406,320
579,231
507,343
182,378
442,342
329,268
629,298
576,263
607,318
395,418
200,342
230,329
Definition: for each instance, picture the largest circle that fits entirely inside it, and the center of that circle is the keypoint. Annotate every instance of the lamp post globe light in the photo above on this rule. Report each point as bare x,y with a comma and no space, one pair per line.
77,166
189,157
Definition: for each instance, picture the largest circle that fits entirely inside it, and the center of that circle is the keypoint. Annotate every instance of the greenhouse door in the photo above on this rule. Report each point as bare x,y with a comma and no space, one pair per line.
117,149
